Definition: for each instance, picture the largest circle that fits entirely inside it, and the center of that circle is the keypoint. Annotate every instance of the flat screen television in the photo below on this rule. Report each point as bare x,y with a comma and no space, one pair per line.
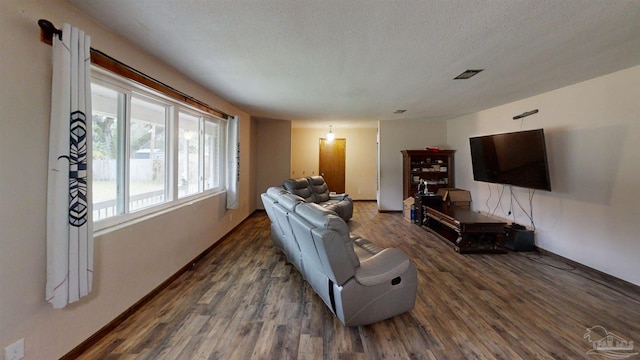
517,158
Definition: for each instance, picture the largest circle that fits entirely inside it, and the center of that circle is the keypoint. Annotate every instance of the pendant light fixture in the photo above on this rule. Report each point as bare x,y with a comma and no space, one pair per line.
330,135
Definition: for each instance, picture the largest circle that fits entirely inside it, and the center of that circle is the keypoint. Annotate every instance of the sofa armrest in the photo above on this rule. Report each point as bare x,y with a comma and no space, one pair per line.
383,266
341,196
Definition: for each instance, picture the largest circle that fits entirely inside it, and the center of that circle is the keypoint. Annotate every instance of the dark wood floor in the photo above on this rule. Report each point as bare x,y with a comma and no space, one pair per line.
242,301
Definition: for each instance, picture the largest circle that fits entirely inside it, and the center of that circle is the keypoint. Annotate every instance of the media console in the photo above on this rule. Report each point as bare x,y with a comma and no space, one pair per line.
468,231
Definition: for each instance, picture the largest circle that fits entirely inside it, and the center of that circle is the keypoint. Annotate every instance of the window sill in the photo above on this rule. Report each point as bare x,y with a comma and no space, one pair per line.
115,223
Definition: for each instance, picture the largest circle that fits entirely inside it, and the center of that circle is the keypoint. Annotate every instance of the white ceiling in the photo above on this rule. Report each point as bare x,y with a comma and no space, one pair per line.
340,61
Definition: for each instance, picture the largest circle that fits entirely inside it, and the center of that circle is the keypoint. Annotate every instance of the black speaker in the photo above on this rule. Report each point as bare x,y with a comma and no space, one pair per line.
518,239
431,199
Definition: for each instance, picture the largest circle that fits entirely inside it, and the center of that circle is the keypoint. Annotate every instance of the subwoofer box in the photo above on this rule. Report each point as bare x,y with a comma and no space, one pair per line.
518,239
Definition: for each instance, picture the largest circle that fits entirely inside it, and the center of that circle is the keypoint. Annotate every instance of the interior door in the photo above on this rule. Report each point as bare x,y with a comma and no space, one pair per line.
332,163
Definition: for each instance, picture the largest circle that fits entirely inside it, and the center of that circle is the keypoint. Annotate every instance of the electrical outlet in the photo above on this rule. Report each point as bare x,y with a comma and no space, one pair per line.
14,351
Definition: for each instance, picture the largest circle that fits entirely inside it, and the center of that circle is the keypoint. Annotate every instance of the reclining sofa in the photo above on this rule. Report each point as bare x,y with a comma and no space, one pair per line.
360,282
314,189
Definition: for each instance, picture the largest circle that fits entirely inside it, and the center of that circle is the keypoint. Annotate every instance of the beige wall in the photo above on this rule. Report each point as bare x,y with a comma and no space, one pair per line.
130,261
398,135
273,154
592,132
360,176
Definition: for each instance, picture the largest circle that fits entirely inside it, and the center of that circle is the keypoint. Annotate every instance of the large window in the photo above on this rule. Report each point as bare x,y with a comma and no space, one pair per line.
211,155
147,165
188,154
149,152
108,119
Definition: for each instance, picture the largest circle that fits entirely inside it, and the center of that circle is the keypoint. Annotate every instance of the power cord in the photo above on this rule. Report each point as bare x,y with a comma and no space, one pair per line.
499,203
530,216
488,198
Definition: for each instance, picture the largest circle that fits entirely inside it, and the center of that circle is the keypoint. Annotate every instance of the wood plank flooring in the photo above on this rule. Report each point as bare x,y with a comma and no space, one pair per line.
243,301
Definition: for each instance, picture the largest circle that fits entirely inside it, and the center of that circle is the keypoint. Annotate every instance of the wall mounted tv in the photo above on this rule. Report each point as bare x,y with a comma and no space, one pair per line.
517,158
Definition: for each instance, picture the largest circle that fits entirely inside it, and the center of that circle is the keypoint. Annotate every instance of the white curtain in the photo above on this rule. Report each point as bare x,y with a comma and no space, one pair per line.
69,220
233,161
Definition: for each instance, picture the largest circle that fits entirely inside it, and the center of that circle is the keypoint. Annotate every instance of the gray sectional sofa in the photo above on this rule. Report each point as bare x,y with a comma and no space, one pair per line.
360,282
314,189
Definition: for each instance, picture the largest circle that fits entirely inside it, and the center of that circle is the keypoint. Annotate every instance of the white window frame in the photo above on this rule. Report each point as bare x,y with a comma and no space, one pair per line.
199,137
168,119
130,88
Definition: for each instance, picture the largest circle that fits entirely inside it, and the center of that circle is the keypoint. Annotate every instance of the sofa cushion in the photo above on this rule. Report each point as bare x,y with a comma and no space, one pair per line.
319,188
367,245
384,266
275,191
277,234
301,188
344,208
314,189
289,201
325,219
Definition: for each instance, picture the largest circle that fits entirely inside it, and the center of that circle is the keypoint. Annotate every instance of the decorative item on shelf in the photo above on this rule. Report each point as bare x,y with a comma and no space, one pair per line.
422,187
432,148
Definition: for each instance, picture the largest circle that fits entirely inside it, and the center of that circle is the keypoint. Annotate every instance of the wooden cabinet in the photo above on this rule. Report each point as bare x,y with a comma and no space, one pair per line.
468,231
435,167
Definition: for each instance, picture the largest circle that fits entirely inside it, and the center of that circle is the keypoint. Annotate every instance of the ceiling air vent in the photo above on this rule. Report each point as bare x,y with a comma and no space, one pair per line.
399,111
467,74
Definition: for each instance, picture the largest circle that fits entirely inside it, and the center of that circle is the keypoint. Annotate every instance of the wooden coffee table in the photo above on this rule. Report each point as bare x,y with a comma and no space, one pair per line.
468,231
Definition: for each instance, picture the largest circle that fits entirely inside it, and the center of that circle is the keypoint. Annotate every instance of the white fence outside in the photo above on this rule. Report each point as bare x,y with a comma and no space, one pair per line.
140,169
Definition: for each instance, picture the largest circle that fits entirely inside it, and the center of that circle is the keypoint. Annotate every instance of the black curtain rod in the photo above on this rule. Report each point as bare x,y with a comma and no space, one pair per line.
48,30
140,73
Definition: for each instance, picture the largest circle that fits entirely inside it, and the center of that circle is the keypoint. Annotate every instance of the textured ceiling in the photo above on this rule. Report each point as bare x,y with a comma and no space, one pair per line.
344,60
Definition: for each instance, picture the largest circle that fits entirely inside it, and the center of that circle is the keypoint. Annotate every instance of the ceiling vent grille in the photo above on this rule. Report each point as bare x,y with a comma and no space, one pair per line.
467,74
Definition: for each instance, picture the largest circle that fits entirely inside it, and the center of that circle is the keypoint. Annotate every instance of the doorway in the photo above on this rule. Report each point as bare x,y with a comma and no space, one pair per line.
332,163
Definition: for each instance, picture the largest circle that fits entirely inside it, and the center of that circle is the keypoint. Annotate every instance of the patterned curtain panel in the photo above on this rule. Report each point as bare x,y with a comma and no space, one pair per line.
233,161
69,220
